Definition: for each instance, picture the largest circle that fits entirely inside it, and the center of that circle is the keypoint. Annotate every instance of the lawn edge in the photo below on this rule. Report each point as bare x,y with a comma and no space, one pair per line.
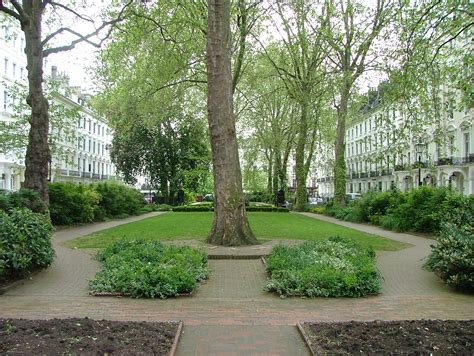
305,337
174,347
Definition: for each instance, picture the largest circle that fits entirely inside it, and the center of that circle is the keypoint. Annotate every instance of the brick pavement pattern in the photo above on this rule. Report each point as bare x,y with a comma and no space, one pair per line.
230,313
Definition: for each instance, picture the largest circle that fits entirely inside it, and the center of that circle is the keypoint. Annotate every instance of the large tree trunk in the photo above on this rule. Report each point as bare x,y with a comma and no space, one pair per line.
230,226
340,164
301,193
37,152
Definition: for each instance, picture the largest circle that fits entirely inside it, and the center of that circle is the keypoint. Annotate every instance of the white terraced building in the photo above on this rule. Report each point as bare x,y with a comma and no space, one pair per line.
89,154
377,159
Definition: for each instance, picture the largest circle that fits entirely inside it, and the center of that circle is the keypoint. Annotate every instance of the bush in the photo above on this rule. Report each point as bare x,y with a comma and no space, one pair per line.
458,210
149,269
23,198
270,209
193,208
71,203
260,197
453,258
25,243
118,199
335,267
319,210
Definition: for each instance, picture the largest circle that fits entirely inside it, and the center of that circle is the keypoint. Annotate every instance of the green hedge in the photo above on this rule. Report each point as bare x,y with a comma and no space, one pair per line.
149,269
206,208
72,203
453,258
25,243
421,210
336,267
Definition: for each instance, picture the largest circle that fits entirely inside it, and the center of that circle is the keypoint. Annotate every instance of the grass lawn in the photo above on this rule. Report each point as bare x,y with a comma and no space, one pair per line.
187,226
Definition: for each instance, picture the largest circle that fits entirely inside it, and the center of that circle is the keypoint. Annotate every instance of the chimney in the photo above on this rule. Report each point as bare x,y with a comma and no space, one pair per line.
54,72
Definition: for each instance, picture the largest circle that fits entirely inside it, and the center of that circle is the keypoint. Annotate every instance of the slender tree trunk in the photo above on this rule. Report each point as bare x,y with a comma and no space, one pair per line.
276,172
230,226
301,194
340,163
37,152
270,172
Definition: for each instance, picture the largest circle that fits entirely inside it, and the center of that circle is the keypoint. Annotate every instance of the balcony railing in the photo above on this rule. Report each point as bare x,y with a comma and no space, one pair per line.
74,173
448,161
401,167
374,173
364,175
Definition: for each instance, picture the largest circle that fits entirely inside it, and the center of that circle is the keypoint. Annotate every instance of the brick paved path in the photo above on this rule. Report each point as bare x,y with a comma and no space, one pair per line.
231,307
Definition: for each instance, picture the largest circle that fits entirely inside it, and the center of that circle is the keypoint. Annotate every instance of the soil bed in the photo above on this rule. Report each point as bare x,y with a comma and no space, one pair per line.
414,337
85,336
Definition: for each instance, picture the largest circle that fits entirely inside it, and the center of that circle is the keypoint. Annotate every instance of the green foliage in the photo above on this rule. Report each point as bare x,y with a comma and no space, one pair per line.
23,198
260,197
319,210
335,267
421,210
149,269
453,257
193,208
25,243
118,199
72,203
250,208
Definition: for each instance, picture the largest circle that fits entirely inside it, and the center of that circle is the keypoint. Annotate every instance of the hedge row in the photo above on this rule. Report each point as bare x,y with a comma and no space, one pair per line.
420,210
207,208
72,203
25,243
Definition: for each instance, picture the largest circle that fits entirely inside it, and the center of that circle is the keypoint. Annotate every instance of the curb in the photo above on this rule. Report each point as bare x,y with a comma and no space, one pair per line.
305,337
176,339
234,257
21,281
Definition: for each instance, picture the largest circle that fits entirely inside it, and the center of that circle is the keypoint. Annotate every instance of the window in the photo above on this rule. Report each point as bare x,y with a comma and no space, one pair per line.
5,66
93,147
90,126
14,70
79,164
90,144
22,73
467,144
22,44
15,36
83,164
5,100
95,125
5,34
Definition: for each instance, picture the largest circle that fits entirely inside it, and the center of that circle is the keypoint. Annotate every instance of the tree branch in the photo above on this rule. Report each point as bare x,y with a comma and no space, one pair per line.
12,13
67,8
84,38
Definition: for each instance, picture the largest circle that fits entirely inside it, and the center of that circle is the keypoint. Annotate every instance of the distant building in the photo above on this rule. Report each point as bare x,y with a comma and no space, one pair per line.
88,157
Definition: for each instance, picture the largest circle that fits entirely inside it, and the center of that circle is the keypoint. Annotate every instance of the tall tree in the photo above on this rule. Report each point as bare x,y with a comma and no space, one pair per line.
298,60
30,16
350,37
230,226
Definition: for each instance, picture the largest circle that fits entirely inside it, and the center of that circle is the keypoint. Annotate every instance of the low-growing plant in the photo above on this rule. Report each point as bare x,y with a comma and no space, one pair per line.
336,267
23,198
319,209
25,243
149,269
453,257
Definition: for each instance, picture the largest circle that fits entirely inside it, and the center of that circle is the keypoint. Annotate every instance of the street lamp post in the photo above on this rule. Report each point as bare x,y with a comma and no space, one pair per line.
419,148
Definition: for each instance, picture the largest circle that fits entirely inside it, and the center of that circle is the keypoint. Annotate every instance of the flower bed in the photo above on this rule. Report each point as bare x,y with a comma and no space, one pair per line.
149,269
335,267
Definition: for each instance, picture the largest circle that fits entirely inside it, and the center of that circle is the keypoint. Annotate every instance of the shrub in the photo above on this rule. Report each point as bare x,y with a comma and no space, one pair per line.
453,257
319,210
23,198
270,209
335,267
71,203
118,199
25,243
260,197
458,210
193,208
149,269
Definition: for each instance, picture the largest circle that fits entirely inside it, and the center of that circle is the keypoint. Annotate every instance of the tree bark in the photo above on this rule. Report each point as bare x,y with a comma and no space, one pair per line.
301,193
38,153
230,226
340,164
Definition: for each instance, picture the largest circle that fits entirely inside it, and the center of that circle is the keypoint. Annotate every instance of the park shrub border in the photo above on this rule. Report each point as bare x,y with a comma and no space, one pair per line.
149,269
335,267
207,208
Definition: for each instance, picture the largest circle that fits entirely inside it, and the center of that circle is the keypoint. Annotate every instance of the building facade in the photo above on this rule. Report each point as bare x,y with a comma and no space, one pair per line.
379,156
83,158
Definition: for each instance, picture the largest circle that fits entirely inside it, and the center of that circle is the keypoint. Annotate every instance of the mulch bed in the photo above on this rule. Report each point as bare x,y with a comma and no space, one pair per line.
86,336
413,337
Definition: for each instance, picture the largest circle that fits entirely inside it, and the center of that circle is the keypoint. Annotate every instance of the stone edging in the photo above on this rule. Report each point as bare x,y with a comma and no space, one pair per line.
176,339
305,337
